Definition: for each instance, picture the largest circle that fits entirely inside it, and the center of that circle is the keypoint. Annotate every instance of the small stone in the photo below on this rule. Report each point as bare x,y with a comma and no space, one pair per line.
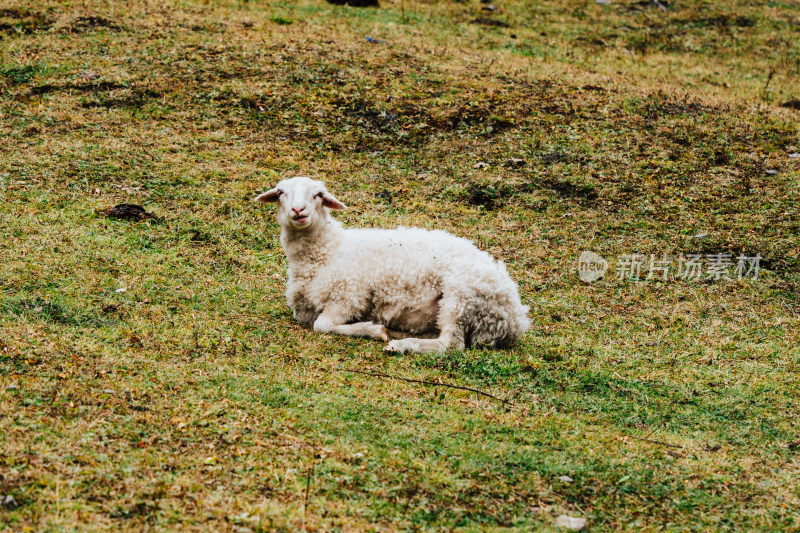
516,162
569,522
565,479
603,2
795,155
490,7
480,164
121,290
9,502
771,172
12,387
659,5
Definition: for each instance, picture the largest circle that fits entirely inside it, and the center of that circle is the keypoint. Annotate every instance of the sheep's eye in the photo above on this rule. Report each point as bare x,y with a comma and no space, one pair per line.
320,194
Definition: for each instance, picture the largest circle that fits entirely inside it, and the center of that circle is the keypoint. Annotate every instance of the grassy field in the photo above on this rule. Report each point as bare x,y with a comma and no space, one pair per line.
151,376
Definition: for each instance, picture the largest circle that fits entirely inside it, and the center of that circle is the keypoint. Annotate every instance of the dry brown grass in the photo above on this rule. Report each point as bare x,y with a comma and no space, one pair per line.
193,401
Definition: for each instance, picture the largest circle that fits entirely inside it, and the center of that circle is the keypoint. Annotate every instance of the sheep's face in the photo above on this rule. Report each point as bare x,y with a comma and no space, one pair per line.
302,202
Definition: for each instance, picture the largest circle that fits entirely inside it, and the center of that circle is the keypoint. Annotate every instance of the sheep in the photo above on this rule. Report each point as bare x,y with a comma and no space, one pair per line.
432,289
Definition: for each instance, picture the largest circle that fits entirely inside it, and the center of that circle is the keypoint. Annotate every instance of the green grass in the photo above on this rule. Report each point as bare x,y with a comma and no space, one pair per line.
151,375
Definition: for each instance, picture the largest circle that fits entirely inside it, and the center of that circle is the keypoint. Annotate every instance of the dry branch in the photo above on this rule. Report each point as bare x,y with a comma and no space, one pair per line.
432,383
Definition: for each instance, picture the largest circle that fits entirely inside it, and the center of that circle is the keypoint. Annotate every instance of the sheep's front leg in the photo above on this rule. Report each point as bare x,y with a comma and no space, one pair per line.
302,309
332,322
411,345
444,342
450,335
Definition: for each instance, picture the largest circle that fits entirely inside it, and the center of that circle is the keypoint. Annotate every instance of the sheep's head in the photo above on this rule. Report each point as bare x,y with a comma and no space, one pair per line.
302,202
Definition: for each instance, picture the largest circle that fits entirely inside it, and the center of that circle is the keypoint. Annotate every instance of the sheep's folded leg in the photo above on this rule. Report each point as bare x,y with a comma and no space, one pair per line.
330,323
412,345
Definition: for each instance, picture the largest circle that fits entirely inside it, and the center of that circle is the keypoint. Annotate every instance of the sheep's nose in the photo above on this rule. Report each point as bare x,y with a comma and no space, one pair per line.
298,210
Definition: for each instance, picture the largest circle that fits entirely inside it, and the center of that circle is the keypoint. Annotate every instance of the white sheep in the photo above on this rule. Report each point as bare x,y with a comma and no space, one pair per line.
370,282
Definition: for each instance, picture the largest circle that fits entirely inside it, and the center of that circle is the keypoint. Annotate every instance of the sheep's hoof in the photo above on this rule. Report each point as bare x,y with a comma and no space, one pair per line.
383,334
391,347
375,331
396,346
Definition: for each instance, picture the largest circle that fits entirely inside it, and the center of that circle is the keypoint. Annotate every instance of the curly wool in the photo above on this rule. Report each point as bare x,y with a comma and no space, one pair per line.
411,280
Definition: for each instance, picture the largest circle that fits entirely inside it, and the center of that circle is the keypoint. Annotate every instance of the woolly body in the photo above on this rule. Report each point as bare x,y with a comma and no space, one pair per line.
411,280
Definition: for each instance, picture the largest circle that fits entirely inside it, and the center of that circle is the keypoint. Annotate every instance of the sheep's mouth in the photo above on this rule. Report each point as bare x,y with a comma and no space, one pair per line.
300,220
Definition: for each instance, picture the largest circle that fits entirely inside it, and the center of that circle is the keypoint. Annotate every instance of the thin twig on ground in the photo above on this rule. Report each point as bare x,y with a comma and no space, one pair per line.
769,79
657,442
432,383
308,488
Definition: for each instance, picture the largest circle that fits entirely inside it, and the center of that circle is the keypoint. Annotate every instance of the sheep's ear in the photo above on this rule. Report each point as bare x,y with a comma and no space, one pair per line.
269,197
330,201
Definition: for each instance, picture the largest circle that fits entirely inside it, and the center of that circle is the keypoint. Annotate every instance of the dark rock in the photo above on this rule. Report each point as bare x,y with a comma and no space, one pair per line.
128,212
